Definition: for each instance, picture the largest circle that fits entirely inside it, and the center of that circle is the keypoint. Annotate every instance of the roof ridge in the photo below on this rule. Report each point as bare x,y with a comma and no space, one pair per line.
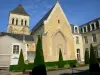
41,22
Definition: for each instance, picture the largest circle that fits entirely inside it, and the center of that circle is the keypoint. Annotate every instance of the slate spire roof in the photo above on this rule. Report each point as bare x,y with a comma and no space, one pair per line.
20,10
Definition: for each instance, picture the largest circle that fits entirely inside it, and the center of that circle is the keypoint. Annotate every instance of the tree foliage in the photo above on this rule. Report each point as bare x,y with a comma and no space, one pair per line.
86,57
93,64
60,62
21,61
39,64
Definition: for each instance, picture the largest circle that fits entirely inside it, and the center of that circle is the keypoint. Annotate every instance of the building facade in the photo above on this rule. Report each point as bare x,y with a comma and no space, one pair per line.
91,35
11,46
57,33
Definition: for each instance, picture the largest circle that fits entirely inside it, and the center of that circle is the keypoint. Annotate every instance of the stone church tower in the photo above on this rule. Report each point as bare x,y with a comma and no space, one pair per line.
19,21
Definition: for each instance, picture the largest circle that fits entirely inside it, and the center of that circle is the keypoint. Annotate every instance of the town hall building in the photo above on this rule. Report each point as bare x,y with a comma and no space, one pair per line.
57,33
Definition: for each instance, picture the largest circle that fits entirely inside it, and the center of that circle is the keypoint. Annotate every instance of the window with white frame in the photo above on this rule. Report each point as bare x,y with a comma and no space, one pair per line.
96,51
94,37
85,39
76,30
15,49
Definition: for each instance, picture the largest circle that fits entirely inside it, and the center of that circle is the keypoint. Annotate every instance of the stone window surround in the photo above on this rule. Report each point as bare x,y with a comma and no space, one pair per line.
85,40
91,26
16,19
16,44
94,39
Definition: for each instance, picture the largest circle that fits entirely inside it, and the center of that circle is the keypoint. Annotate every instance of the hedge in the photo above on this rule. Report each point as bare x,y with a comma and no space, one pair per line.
15,68
48,64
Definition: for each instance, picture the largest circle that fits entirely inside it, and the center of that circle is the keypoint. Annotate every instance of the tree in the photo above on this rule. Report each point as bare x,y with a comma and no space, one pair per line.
86,57
93,65
21,61
60,62
39,64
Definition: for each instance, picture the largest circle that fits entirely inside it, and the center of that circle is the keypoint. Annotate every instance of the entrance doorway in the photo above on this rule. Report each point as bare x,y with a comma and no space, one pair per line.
78,55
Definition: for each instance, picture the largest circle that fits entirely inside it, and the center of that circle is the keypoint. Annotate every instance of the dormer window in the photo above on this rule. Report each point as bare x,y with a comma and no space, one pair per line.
13,21
93,26
84,29
76,30
81,30
97,24
88,27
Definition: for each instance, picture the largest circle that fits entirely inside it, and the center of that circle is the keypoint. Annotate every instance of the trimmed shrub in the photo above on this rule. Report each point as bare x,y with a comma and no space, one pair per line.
21,62
93,64
86,57
60,62
39,64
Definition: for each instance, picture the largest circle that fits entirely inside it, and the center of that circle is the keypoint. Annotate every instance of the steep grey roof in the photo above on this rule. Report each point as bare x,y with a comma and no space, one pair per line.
18,36
20,10
41,22
90,22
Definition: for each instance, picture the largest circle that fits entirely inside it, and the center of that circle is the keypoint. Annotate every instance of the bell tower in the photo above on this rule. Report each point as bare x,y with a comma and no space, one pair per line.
19,21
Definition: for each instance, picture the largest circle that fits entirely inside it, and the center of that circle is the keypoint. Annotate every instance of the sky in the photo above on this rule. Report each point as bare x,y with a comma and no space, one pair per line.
78,12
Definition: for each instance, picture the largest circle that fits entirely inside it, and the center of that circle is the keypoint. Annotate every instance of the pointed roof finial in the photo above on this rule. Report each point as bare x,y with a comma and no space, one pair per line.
56,0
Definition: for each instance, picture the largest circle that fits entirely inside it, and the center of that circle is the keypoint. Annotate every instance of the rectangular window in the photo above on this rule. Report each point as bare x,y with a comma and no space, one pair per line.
85,39
96,51
15,49
94,38
77,40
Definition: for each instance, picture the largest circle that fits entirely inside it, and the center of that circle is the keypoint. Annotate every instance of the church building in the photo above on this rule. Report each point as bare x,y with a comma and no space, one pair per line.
57,33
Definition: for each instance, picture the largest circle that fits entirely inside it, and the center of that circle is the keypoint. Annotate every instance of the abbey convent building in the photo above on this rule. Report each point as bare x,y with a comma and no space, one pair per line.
57,33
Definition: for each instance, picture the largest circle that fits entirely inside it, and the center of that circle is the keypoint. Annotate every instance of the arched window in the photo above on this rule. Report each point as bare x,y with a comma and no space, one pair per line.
13,21
16,21
25,22
22,22
76,30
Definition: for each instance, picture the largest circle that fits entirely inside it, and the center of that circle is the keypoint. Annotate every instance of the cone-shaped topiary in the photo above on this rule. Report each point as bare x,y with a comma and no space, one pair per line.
86,58
39,64
60,62
93,65
21,61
